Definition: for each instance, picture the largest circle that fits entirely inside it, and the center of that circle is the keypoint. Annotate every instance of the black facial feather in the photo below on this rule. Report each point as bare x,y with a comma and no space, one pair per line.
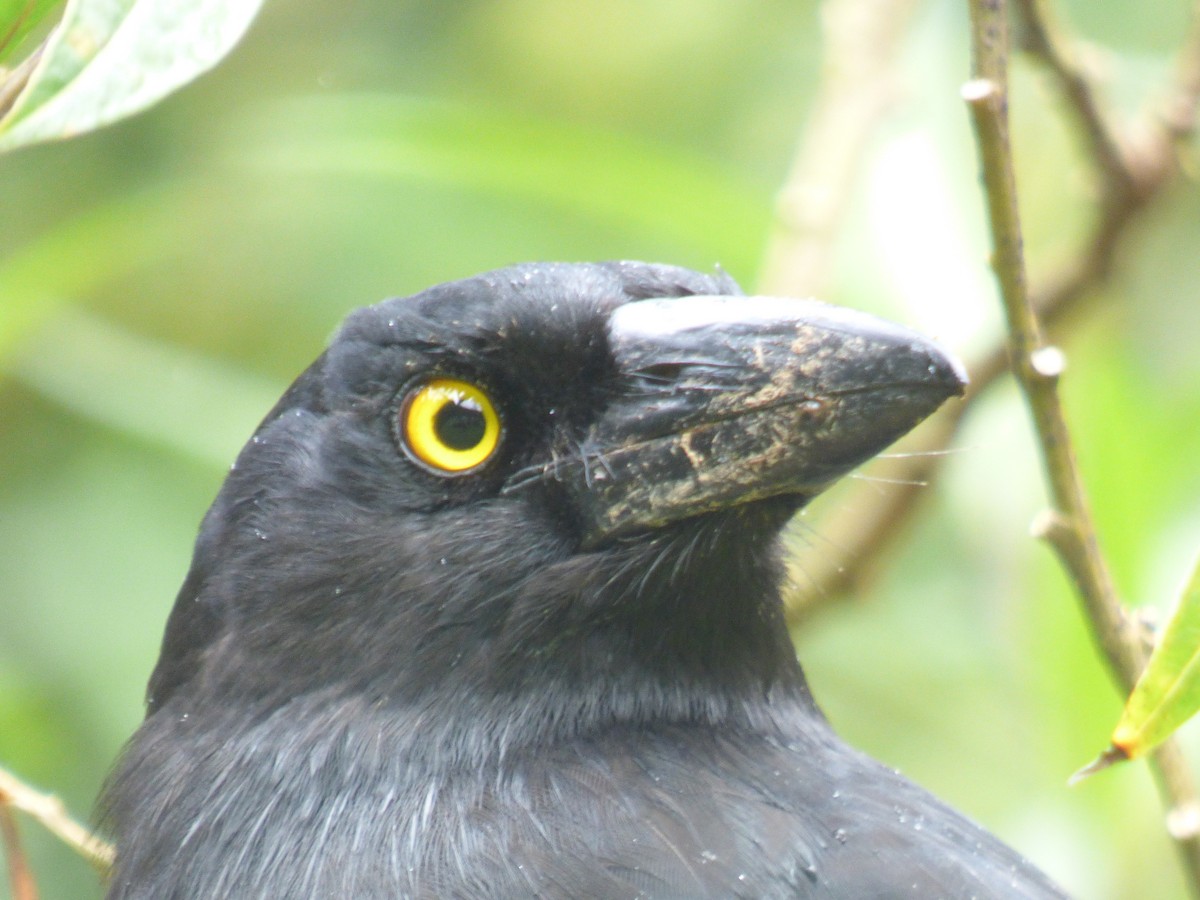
564,672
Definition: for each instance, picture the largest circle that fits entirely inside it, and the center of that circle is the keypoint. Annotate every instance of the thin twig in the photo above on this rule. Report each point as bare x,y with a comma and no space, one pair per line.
1068,527
861,40
1044,40
19,875
1177,113
867,524
49,811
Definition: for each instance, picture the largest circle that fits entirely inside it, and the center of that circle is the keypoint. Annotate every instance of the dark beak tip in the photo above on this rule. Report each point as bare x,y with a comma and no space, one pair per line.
948,369
940,369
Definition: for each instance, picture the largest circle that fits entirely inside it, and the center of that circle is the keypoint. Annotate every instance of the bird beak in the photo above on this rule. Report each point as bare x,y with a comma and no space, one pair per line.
729,400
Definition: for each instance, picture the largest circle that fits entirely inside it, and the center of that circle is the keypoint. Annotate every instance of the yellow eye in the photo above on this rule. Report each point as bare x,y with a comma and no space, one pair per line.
451,426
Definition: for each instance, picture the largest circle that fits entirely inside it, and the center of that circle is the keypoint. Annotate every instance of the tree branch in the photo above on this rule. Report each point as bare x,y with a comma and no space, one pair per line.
48,810
867,524
1068,527
861,39
1043,39
19,875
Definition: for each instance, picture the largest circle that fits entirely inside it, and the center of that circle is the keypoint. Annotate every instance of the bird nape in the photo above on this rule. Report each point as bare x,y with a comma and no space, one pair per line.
489,607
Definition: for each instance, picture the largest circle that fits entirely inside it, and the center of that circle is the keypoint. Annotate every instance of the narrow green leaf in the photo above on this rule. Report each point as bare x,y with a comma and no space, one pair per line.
614,177
1109,757
1168,693
110,58
82,253
162,393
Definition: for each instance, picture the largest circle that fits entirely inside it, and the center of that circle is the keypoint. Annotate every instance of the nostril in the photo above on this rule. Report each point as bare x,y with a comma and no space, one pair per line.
811,410
662,373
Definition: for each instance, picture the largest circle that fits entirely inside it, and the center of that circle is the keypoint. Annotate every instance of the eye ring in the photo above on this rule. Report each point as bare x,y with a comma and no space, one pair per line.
448,426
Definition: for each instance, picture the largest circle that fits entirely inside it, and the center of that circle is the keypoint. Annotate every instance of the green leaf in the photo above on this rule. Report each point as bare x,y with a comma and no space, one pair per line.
1168,693
110,58
17,19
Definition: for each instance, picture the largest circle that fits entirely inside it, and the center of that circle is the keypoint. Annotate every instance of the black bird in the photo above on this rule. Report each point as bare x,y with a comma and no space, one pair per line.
489,607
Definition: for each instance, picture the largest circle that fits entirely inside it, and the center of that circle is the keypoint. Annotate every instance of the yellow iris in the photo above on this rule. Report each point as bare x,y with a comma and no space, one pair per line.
449,425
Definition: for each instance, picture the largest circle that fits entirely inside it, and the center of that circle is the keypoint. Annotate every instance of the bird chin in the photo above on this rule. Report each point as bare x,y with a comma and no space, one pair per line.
751,524
764,519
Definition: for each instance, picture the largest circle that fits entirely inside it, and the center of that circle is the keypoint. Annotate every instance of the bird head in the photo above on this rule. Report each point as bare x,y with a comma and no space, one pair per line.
557,479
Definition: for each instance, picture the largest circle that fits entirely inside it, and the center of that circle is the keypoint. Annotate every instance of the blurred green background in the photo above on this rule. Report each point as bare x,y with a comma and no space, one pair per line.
161,281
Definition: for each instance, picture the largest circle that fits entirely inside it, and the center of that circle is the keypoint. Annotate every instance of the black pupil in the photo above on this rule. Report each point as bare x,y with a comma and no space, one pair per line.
460,425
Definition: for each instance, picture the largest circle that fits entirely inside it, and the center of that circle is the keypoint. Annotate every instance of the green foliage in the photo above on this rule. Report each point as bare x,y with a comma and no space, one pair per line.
18,19
1168,693
633,184
108,59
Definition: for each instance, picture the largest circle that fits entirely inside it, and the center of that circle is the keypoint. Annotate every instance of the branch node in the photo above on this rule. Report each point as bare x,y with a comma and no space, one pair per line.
1183,822
1048,362
1050,526
977,90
